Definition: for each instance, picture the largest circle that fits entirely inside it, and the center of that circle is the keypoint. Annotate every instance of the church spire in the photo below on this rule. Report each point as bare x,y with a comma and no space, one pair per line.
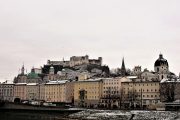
22,69
123,68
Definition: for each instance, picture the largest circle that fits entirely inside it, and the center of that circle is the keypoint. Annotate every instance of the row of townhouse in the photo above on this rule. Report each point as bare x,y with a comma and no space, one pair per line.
126,92
54,91
116,93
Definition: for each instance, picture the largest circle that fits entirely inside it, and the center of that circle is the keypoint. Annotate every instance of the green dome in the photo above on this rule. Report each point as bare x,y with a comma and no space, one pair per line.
33,75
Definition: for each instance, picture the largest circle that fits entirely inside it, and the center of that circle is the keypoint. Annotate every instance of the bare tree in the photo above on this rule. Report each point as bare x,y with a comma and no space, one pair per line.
82,96
167,91
130,99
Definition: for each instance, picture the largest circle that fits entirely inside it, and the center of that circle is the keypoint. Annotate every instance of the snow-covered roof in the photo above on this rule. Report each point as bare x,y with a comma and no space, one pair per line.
132,77
124,79
91,80
6,83
57,82
107,78
21,84
32,84
177,101
164,80
170,80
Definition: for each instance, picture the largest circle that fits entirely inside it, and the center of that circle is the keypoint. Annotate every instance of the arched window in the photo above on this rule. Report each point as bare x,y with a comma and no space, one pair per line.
157,69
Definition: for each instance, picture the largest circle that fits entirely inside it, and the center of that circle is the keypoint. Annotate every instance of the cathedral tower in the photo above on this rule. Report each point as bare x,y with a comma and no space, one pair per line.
161,67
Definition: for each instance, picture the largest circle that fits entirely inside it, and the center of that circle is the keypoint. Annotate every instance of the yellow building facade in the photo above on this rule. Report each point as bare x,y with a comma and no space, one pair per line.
55,91
141,93
20,91
32,91
87,93
111,92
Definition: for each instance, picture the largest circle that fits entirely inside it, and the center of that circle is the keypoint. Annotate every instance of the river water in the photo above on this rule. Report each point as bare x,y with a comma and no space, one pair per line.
31,116
93,115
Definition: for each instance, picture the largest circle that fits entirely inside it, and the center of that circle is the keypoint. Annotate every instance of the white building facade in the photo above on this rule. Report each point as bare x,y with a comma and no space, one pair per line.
6,91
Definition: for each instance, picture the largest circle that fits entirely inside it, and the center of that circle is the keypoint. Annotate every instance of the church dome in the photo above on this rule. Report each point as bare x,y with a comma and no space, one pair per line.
160,61
33,75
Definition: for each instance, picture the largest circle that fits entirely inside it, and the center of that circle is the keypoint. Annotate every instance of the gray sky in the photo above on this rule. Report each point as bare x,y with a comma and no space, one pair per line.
32,31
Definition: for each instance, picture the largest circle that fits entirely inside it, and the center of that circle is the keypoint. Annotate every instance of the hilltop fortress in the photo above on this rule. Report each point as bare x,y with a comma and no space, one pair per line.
76,60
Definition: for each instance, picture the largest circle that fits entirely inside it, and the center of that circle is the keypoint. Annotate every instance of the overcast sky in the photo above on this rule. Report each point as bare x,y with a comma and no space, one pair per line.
33,31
